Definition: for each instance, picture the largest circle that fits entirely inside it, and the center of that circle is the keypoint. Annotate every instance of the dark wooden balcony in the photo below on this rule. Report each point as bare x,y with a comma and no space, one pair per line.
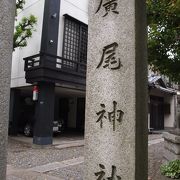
44,67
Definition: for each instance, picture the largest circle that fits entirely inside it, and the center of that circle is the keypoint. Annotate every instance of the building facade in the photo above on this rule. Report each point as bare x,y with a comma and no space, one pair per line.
162,103
55,63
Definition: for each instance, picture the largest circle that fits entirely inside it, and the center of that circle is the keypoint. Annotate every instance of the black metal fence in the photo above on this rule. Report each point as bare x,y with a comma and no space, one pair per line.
49,61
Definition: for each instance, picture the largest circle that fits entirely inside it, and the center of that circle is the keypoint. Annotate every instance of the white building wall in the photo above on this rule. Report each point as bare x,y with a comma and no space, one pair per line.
35,7
75,8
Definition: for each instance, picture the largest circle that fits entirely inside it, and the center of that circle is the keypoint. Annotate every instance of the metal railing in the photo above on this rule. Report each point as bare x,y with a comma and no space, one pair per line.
49,61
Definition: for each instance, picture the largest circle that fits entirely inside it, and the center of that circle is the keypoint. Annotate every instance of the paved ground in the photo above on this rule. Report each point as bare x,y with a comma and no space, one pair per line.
155,157
64,160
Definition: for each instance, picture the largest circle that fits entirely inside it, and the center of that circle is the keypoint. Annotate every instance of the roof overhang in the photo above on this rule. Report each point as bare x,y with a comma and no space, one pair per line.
156,82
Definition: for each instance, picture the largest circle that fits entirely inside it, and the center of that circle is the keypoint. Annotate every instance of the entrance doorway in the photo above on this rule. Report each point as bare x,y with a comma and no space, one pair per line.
63,111
156,113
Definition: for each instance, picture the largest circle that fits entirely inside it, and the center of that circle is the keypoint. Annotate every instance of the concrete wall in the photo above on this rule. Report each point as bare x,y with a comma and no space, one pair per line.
75,8
7,12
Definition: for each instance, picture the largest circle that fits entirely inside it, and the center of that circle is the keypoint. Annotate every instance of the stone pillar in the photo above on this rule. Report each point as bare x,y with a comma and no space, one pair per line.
44,115
7,12
116,96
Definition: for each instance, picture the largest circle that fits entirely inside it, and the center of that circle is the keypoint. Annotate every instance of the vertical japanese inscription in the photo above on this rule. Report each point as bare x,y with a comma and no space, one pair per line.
101,175
108,5
113,116
109,59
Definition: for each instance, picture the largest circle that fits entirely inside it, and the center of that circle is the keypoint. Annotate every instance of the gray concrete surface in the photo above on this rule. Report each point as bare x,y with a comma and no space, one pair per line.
58,141
171,146
57,165
7,12
155,141
26,162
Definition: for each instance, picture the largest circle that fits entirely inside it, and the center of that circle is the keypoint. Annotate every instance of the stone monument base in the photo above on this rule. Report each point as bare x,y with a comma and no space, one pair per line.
171,146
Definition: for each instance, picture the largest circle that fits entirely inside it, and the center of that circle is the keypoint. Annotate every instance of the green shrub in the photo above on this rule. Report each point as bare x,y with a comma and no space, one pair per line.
172,169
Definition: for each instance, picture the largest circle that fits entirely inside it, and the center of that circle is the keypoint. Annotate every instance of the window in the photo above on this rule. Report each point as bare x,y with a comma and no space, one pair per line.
74,43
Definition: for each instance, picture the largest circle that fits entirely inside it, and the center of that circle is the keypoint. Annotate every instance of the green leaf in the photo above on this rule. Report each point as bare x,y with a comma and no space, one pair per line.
24,29
164,37
172,169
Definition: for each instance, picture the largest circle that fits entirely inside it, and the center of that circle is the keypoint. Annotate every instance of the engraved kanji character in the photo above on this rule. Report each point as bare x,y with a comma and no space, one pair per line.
115,115
109,57
113,174
101,173
101,115
109,5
